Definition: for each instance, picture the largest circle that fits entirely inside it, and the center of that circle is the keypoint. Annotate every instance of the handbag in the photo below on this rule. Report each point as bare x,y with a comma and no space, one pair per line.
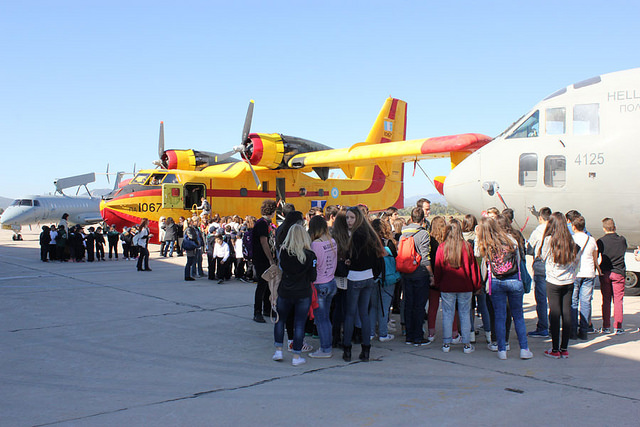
342,269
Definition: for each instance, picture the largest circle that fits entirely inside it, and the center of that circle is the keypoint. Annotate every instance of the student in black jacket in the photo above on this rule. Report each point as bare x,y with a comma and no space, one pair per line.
298,263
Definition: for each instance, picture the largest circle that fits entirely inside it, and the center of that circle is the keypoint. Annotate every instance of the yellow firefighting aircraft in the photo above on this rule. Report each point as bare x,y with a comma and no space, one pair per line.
281,167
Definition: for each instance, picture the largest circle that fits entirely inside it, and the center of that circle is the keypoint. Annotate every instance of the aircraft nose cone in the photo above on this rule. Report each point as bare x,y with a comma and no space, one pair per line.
463,187
13,214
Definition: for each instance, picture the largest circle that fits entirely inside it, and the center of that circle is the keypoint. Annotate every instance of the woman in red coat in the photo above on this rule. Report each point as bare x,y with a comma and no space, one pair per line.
457,276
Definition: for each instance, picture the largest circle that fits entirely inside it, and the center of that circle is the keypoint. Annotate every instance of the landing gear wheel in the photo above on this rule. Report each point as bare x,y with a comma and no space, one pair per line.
17,237
632,284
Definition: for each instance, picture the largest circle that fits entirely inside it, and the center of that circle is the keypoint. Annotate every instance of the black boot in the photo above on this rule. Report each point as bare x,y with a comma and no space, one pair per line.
346,353
364,354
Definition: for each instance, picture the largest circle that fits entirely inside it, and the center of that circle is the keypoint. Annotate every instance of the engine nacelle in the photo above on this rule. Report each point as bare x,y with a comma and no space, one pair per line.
274,150
190,160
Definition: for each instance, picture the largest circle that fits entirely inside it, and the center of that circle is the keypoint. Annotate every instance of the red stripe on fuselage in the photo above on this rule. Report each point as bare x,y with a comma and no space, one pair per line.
377,184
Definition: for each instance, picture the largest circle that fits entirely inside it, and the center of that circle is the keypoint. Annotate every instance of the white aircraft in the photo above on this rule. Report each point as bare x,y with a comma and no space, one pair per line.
574,150
49,209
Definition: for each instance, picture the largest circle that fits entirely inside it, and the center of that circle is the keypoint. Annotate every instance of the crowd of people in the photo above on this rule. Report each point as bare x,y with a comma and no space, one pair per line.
339,273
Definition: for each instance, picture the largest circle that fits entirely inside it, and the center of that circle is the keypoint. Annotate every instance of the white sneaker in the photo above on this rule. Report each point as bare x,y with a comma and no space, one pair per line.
487,336
431,338
277,356
493,346
468,348
305,346
296,361
502,355
525,353
446,348
508,347
472,337
386,338
457,340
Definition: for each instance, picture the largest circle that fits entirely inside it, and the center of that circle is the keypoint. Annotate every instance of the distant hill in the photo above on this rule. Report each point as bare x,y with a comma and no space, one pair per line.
433,198
4,202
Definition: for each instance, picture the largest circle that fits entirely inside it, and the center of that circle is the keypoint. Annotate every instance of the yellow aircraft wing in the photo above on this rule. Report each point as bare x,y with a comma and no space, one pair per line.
457,147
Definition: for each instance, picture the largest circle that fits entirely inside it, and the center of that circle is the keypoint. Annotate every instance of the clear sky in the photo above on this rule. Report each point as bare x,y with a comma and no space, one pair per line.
84,84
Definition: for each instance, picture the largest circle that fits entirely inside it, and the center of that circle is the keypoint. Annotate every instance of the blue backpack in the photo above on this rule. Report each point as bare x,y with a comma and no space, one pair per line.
391,275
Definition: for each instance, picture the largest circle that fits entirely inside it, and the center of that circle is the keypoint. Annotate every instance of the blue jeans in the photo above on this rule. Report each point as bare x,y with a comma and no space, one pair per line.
300,309
481,301
511,289
191,261
581,301
379,309
358,297
542,309
168,247
449,311
326,291
416,295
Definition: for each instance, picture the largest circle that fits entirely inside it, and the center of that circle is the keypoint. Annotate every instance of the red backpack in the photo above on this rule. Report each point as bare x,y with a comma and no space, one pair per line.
408,258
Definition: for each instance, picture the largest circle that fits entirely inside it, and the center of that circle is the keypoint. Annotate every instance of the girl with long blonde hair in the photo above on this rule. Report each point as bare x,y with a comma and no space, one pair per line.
298,264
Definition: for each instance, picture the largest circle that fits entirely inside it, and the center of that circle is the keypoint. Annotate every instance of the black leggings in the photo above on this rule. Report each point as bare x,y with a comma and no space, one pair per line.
559,297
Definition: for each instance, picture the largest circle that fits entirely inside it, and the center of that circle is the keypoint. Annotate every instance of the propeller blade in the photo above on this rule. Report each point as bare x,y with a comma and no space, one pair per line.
107,173
255,175
161,141
247,122
224,156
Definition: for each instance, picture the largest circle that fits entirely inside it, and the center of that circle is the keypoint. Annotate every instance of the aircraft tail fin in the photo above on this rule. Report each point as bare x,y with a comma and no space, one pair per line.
391,123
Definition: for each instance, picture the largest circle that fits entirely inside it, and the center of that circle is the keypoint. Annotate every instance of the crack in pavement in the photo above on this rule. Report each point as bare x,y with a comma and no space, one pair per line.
205,393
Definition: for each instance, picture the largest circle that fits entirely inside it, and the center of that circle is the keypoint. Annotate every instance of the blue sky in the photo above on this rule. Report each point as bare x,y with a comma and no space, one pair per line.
83,84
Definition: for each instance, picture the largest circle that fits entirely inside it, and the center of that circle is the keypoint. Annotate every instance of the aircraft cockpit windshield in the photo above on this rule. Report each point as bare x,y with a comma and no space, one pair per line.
162,178
140,178
25,202
529,129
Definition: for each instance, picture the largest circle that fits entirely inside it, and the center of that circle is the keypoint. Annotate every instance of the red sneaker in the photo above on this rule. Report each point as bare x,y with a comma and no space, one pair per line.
564,354
554,354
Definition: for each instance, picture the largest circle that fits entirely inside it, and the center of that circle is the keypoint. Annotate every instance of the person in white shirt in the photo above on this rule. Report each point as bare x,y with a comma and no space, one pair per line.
221,254
539,275
585,280
238,249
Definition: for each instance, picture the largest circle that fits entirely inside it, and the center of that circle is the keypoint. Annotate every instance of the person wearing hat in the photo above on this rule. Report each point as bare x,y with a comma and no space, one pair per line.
89,241
99,239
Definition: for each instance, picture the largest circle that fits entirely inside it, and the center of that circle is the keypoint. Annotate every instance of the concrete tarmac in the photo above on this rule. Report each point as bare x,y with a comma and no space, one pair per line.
100,344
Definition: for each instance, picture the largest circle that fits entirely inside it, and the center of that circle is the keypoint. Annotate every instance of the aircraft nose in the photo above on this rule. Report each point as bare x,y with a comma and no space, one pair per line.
463,187
14,214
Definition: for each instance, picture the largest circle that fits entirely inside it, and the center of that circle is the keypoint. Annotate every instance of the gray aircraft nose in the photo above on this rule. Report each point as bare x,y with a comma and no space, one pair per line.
463,186
16,214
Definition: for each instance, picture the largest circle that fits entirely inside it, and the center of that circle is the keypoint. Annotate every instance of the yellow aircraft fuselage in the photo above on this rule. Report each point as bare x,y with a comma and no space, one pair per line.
231,190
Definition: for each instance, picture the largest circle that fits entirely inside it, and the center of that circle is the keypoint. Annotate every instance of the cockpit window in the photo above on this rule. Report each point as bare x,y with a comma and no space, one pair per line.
556,121
22,202
156,179
36,203
170,179
529,128
586,119
140,178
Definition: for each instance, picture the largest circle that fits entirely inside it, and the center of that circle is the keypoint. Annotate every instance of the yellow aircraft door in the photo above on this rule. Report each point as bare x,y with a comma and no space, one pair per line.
172,196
